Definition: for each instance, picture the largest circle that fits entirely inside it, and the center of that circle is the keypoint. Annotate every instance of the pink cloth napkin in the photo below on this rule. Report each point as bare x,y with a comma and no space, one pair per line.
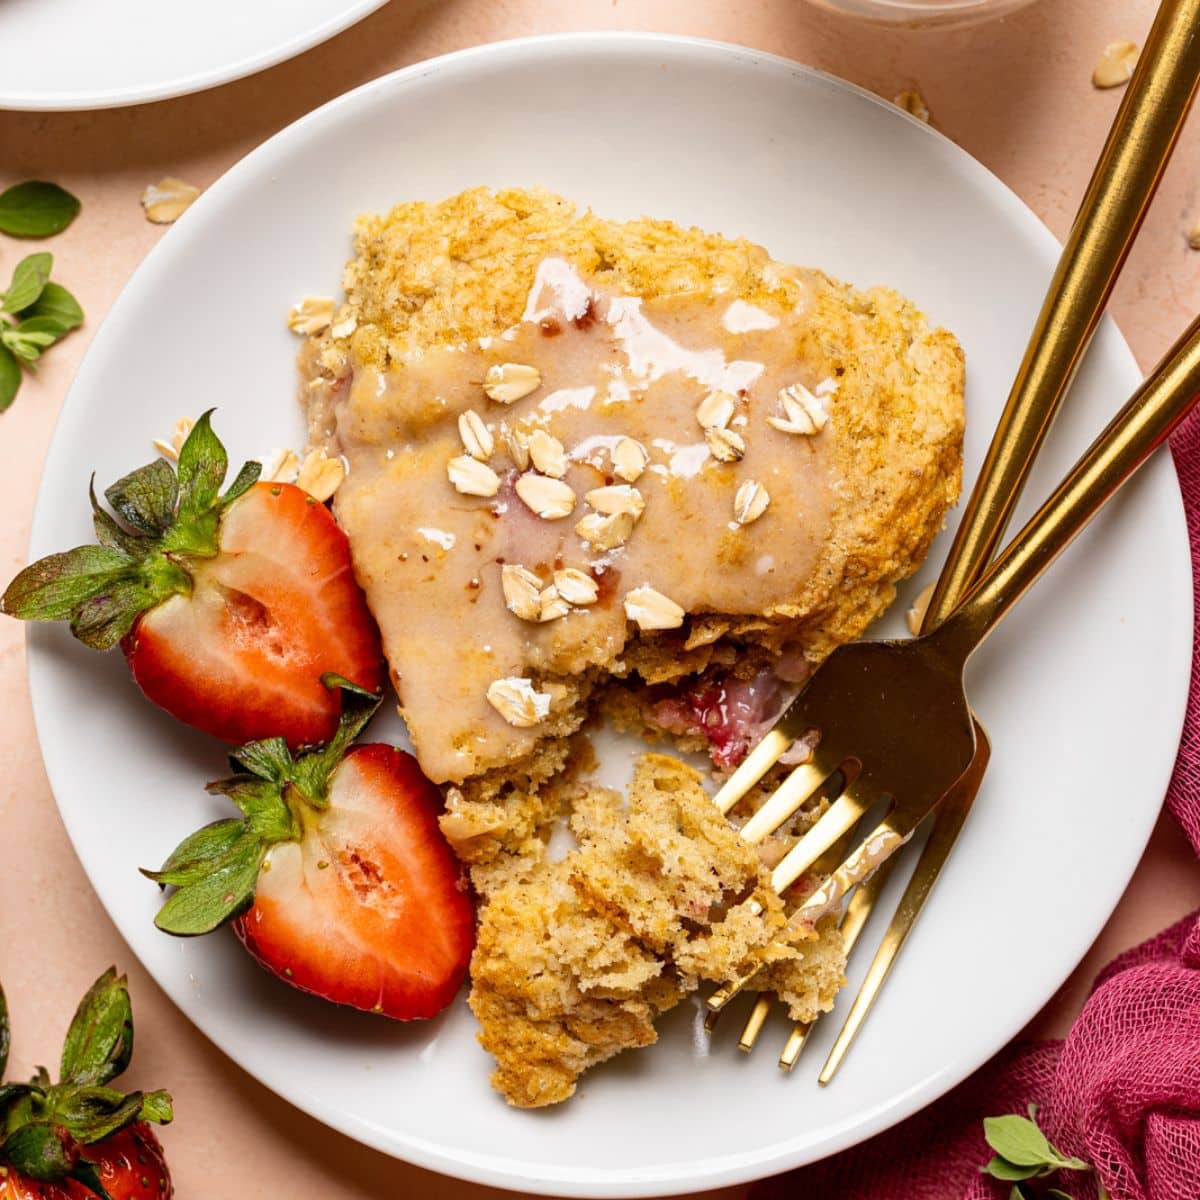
1121,1092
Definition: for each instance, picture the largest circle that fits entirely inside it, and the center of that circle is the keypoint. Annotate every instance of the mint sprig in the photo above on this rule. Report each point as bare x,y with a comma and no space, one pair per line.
1022,1152
36,209
41,313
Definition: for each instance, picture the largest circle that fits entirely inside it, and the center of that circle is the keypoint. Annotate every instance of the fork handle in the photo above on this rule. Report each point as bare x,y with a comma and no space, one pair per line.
1126,176
1141,426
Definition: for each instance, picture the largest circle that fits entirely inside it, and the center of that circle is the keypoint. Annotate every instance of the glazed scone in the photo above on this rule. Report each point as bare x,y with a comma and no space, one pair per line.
524,541
577,958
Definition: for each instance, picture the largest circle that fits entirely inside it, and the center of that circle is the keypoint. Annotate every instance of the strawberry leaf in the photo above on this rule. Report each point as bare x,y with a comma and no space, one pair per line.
99,1042
199,853
56,302
157,1107
202,466
103,620
247,477
227,892
146,498
312,771
40,1150
90,1114
87,1174
29,280
268,759
110,532
54,587
5,1034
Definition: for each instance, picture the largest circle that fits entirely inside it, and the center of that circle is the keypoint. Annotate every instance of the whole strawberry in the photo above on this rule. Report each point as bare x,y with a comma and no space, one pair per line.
231,609
337,878
81,1138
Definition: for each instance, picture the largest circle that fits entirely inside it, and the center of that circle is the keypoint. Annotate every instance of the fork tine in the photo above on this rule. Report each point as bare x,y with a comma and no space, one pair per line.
802,783
858,911
948,823
754,1023
753,767
837,820
875,849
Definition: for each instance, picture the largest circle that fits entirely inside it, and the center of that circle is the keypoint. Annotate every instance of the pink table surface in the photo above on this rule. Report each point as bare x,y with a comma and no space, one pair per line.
1014,93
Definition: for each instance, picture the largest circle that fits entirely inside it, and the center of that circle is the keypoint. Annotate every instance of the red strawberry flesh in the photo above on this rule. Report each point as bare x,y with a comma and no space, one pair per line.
370,909
242,656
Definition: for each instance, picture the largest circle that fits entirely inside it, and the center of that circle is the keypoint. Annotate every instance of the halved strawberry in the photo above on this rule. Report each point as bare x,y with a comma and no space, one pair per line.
80,1138
337,879
230,609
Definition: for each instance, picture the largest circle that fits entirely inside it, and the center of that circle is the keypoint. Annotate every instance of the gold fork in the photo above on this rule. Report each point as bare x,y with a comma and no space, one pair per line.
892,718
1143,135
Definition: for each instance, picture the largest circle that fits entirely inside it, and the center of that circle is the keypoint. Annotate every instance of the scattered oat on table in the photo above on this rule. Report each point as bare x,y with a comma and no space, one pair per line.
168,199
913,103
171,449
1116,64
1193,237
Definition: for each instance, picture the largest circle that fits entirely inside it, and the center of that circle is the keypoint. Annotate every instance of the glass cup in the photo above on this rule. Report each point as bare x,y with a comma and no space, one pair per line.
922,14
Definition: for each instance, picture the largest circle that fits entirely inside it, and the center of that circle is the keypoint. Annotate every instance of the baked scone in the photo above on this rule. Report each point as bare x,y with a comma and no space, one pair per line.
622,467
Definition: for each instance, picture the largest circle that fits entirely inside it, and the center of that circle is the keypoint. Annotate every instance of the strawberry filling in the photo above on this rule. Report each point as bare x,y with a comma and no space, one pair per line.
732,714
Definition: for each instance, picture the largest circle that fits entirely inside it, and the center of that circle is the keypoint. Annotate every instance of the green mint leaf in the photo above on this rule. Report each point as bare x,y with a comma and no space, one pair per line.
202,466
1001,1168
53,588
10,377
268,759
247,477
99,1042
5,1034
202,906
199,853
157,1107
29,280
40,1150
36,209
102,620
86,1173
1020,1141
145,499
26,349
58,304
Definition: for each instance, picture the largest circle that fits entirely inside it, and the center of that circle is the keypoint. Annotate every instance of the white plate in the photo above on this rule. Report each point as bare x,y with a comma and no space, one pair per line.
1094,661
77,54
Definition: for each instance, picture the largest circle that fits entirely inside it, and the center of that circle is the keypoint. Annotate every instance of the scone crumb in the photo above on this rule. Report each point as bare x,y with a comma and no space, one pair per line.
650,609
518,702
